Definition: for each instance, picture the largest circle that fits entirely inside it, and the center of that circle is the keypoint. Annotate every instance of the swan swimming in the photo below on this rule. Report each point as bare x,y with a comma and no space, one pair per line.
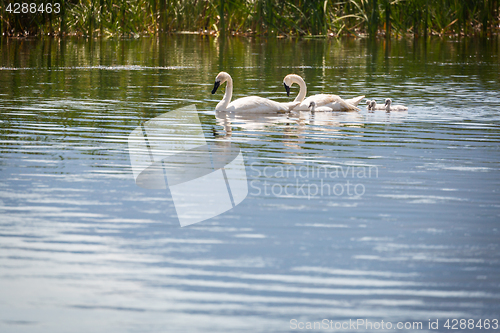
247,104
313,107
389,107
368,107
336,103
375,106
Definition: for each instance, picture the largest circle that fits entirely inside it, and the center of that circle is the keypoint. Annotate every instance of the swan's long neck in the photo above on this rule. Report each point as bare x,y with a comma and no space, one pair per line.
224,103
303,89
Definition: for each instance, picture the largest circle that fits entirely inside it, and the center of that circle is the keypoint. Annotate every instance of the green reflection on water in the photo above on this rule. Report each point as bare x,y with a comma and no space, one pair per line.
141,78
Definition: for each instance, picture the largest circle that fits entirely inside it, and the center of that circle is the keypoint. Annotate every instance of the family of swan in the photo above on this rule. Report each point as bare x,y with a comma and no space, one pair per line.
255,104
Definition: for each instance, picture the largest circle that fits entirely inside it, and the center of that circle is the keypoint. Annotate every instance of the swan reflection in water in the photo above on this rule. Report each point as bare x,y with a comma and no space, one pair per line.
248,121
296,126
382,116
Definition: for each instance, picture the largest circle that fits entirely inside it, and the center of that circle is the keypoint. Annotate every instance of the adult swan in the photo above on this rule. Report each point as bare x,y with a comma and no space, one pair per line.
336,103
246,104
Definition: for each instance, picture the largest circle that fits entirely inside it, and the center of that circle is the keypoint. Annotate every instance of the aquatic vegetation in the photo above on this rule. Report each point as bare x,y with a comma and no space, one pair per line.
262,17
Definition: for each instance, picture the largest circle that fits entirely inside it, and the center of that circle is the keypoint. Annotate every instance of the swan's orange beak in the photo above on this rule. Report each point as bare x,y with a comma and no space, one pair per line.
216,86
287,88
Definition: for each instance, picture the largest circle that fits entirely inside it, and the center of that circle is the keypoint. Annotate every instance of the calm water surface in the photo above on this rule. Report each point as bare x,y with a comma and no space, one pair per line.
414,234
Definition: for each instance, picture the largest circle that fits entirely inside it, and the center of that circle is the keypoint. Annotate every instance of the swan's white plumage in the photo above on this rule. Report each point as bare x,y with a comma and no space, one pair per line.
256,104
314,108
375,106
351,101
252,104
390,107
336,103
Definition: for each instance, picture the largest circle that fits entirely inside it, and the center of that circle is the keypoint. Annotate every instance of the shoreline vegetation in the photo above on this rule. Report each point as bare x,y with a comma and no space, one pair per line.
279,18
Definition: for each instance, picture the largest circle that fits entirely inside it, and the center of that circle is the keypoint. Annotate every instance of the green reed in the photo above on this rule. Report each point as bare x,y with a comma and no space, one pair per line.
262,17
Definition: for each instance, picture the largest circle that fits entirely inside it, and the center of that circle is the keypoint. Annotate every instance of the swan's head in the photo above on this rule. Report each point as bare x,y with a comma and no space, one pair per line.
372,104
312,105
220,79
388,102
289,80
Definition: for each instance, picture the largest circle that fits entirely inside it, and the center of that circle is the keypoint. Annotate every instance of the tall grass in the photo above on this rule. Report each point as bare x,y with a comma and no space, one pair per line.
263,17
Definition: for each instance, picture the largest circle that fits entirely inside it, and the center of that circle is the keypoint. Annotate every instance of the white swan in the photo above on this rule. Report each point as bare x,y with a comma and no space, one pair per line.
313,107
390,107
351,101
375,106
336,103
247,104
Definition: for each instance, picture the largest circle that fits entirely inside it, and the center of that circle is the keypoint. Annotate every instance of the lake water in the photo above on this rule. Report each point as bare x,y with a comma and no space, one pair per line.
413,236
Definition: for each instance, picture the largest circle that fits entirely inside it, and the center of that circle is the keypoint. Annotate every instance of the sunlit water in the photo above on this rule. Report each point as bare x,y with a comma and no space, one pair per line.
414,234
